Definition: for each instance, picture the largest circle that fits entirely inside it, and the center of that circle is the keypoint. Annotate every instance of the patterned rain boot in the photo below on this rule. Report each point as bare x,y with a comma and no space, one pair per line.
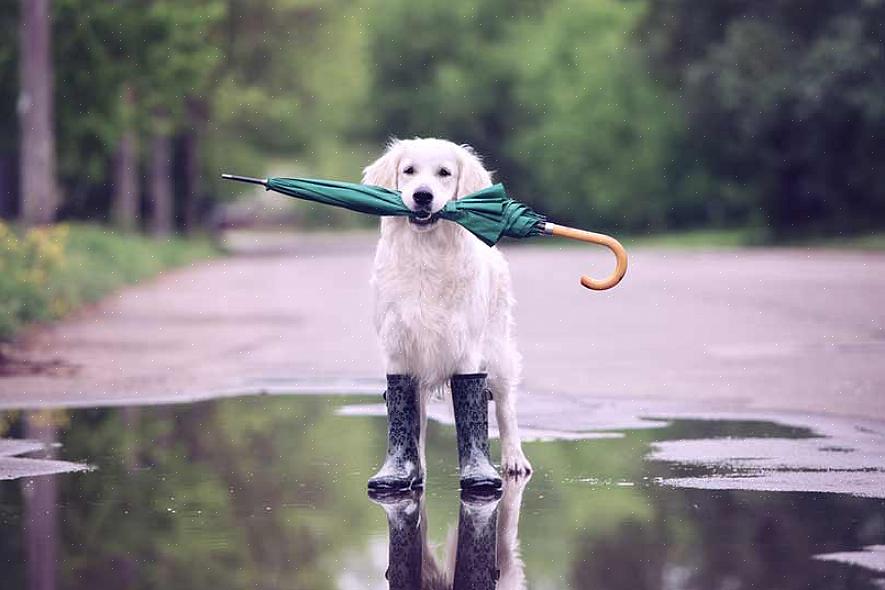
476,556
471,400
404,547
402,467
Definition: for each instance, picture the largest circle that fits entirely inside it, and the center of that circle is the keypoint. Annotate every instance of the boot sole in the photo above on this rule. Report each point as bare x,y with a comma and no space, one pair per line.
394,496
396,486
481,484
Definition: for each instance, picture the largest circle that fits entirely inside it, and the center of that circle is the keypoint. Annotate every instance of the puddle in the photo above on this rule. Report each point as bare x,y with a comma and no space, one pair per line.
269,492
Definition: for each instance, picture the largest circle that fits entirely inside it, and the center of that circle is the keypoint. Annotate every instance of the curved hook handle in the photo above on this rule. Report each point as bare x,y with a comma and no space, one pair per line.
594,238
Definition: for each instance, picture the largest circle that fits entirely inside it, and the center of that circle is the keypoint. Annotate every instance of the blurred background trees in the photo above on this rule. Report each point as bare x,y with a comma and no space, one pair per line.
639,115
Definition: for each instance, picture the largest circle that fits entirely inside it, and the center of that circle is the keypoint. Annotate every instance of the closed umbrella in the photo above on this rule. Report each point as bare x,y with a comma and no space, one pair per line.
489,214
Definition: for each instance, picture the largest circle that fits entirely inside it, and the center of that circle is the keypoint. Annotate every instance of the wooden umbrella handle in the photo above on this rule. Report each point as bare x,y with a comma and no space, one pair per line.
594,238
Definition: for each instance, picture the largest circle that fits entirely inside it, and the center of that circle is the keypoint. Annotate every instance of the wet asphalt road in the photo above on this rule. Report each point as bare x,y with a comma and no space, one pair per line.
800,331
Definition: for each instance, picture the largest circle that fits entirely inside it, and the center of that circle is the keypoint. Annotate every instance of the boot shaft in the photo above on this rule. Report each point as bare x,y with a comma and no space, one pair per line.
403,417
402,465
405,537
476,560
470,400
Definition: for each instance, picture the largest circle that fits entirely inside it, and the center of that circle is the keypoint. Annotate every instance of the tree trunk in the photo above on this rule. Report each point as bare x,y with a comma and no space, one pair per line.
160,182
191,154
39,188
191,144
8,182
40,510
125,200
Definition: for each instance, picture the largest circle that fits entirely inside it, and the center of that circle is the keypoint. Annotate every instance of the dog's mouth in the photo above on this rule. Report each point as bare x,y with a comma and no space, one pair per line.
422,218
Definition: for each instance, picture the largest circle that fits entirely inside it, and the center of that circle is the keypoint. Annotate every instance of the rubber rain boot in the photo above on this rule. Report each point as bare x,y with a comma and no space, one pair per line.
405,547
402,467
476,556
471,401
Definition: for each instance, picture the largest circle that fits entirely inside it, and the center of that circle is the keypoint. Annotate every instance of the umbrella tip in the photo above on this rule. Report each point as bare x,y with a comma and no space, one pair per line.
261,181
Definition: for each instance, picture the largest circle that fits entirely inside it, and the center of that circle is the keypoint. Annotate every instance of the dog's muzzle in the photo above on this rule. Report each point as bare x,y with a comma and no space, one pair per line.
422,217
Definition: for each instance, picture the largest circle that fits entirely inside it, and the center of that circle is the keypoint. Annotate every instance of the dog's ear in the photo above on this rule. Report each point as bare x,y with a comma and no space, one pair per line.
472,176
383,171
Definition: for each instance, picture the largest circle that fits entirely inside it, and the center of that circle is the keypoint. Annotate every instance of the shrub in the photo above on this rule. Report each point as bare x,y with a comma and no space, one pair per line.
46,272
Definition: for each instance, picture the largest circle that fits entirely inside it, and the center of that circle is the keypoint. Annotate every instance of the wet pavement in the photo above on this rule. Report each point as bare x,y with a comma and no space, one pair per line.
269,492
751,329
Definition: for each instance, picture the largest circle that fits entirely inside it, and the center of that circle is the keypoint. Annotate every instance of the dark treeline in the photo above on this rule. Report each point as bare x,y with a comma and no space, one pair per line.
642,115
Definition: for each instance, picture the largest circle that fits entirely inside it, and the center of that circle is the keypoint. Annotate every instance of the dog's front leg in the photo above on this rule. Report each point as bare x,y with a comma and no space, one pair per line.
470,401
395,365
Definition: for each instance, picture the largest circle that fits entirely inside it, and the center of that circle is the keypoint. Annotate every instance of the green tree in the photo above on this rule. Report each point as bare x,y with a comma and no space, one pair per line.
603,144
130,67
786,104
178,60
450,70
557,96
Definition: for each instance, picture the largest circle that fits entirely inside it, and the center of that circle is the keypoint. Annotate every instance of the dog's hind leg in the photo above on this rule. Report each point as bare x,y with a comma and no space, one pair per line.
424,395
510,563
504,366
513,460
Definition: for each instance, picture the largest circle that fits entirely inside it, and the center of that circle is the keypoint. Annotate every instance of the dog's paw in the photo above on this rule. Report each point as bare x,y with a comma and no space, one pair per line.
514,463
513,486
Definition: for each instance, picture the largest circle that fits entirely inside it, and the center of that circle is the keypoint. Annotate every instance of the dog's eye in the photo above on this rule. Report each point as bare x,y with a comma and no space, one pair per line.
444,172
409,170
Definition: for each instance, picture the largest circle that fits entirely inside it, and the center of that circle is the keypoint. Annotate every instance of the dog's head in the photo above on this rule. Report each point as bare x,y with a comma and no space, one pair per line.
428,173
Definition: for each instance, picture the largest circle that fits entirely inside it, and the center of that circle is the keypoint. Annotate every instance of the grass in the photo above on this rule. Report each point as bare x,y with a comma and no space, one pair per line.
697,239
742,238
875,241
48,272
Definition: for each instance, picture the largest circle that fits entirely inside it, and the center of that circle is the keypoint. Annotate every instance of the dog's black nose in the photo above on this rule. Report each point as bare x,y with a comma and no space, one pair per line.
423,197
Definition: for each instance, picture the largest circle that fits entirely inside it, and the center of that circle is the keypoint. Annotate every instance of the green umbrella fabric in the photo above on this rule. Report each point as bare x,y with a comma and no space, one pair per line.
362,198
488,214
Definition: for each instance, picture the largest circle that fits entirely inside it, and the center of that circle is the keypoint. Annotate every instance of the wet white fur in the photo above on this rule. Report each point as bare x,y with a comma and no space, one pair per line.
443,299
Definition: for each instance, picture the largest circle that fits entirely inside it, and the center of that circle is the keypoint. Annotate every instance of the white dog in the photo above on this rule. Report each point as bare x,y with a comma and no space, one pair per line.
443,299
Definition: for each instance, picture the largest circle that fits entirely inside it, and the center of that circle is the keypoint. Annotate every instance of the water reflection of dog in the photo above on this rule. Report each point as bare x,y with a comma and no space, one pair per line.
482,555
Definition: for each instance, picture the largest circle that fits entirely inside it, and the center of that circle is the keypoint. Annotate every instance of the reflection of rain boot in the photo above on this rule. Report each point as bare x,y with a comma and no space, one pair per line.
402,467
404,549
475,561
471,400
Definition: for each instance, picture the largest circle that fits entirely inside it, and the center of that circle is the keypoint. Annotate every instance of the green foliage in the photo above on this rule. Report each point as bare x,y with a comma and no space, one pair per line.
599,149
88,75
47,272
555,95
786,102
174,47
646,115
162,50
450,70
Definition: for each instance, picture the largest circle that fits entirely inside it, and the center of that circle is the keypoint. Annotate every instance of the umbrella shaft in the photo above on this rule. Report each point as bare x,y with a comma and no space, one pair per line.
249,179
